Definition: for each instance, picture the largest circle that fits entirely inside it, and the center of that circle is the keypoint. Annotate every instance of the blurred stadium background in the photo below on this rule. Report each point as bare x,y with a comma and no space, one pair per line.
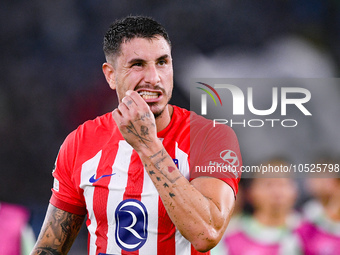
51,79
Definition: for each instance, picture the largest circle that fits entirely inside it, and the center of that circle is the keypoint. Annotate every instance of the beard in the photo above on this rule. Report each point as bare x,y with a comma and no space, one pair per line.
155,108
157,112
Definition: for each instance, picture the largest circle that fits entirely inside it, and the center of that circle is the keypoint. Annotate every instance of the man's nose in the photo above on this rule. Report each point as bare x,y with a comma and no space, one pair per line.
151,75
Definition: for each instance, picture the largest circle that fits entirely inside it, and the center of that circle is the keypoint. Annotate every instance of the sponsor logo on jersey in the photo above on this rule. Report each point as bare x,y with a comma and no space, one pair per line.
132,224
230,164
230,157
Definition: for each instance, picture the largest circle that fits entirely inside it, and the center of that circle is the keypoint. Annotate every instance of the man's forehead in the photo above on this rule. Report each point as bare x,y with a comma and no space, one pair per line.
139,46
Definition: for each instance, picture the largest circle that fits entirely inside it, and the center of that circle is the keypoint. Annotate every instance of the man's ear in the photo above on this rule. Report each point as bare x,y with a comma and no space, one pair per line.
109,73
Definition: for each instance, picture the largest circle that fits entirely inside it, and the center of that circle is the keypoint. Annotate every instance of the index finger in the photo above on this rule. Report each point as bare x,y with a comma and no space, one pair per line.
139,101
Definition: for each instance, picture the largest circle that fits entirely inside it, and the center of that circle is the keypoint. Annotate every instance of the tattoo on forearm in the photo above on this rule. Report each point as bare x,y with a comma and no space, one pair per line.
58,233
171,194
175,179
165,185
162,155
158,178
162,151
159,161
172,180
171,169
45,251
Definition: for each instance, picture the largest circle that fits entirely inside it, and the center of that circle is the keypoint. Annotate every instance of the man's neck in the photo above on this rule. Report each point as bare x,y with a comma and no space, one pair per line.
163,120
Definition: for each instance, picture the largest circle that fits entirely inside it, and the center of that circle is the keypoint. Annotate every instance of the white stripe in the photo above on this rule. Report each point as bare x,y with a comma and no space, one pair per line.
117,187
87,170
183,163
150,199
183,246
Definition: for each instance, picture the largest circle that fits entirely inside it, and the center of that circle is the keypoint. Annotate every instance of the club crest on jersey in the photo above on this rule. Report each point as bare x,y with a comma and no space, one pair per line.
131,224
176,162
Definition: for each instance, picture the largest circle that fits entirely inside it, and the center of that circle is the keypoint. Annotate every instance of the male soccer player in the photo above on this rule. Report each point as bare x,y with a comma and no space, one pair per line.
128,170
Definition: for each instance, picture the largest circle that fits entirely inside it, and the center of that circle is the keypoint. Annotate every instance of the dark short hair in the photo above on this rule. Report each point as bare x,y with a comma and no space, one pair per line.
125,29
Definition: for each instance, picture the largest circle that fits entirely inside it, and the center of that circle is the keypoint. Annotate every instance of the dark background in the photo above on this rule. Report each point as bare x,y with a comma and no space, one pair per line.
51,79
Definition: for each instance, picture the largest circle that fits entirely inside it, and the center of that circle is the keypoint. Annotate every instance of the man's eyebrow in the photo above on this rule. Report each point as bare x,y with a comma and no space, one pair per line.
136,60
165,56
140,60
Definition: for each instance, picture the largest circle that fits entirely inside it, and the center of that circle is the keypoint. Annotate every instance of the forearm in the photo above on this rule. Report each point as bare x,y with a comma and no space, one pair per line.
58,232
201,209
196,216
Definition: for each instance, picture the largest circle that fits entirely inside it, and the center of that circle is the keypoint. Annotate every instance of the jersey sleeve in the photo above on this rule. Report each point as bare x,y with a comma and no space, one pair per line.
66,194
215,152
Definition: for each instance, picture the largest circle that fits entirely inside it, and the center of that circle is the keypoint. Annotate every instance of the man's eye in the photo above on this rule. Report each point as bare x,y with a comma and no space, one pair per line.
136,64
162,62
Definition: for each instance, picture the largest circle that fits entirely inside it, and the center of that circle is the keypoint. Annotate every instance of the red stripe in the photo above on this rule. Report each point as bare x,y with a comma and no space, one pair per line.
134,186
166,232
100,197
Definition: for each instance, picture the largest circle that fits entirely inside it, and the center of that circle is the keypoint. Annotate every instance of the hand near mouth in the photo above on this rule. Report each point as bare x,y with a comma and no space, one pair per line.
136,122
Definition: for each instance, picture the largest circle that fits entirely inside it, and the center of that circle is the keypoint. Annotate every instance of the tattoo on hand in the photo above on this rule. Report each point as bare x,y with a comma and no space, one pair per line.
143,116
131,129
144,130
129,102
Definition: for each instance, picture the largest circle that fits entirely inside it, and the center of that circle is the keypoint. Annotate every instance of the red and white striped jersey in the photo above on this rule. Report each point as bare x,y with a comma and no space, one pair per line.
97,172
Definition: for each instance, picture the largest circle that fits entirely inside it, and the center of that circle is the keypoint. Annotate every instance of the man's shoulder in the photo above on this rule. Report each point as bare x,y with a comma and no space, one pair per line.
94,130
198,123
182,114
104,122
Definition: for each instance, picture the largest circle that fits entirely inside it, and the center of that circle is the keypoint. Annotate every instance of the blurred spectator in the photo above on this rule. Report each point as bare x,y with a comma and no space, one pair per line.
268,230
16,235
238,212
319,232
